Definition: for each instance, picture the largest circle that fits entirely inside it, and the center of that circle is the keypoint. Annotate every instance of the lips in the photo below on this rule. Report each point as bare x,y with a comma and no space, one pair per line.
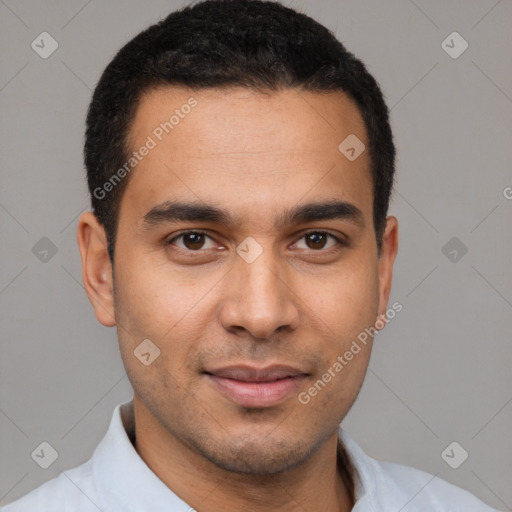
250,374
257,387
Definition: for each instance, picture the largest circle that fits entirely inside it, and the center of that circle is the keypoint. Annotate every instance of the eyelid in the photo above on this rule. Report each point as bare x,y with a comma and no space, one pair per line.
186,232
341,241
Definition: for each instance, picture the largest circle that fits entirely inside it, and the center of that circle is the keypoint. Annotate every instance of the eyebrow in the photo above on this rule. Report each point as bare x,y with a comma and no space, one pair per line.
178,211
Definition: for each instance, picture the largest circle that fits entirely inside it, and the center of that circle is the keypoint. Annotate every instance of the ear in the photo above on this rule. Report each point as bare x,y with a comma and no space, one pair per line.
96,267
388,253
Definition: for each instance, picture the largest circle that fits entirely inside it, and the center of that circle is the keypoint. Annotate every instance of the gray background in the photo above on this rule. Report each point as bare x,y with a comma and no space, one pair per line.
440,371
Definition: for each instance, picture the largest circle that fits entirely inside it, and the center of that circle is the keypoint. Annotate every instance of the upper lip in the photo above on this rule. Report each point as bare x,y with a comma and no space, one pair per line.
251,374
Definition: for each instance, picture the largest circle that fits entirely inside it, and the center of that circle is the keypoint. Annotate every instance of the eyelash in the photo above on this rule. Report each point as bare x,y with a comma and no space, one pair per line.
339,241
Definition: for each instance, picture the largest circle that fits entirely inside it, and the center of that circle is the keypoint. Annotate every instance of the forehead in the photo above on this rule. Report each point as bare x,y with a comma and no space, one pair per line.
250,149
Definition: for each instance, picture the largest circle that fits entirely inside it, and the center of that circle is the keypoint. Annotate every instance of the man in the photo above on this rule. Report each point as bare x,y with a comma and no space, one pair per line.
240,163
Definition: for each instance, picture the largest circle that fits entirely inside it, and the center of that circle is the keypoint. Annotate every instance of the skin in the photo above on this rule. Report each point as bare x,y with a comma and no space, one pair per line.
299,303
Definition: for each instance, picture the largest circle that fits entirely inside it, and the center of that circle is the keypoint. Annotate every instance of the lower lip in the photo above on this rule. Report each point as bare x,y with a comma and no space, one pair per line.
257,394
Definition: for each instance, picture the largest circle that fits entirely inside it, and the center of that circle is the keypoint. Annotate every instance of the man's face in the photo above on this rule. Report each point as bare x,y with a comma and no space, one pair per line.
223,308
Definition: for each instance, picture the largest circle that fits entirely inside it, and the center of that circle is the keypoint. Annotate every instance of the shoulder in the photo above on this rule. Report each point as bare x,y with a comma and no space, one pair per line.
385,486
85,487
71,490
415,490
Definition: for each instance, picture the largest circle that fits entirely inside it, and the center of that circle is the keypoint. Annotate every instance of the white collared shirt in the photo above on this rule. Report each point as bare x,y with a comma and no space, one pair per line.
116,479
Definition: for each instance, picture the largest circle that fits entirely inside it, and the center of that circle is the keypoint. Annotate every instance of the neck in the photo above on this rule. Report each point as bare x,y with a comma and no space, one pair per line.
323,482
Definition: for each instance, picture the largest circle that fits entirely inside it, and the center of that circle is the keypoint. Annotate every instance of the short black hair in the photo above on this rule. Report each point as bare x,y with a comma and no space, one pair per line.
256,44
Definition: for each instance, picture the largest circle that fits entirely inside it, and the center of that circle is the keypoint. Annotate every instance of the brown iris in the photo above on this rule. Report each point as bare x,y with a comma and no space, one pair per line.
318,239
196,240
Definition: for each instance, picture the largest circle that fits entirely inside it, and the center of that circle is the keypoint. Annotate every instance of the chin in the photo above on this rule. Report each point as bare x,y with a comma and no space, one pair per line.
260,456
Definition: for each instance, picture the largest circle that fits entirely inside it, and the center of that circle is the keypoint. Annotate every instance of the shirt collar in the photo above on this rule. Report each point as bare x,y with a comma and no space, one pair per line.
122,477
363,471
128,484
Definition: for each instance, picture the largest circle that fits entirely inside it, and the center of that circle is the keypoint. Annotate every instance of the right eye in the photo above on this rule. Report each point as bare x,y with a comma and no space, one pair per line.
192,241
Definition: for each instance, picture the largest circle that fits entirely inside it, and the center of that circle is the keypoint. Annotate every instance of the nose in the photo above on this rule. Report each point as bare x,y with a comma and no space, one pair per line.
259,299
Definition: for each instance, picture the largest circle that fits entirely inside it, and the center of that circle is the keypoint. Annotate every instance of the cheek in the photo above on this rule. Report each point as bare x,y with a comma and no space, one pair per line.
332,393
347,307
156,303
347,301
155,299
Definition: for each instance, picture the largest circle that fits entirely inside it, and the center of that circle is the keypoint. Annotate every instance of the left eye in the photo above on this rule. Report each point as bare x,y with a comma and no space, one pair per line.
195,240
318,239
